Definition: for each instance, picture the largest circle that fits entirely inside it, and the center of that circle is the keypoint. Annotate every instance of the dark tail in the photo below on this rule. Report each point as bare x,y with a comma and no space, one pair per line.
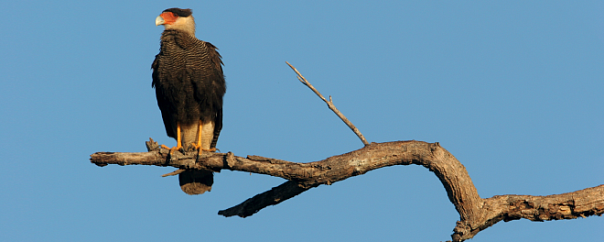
196,182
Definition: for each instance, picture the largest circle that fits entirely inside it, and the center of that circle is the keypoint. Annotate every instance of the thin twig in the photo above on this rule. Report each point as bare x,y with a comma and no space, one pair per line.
174,173
330,105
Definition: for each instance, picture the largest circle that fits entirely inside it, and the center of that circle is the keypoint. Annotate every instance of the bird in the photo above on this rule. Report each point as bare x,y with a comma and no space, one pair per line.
189,86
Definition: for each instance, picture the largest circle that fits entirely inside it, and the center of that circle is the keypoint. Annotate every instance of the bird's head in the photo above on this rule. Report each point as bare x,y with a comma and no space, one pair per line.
177,18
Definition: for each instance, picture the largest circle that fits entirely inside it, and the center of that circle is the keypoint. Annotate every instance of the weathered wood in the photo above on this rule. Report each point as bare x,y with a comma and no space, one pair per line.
274,196
476,214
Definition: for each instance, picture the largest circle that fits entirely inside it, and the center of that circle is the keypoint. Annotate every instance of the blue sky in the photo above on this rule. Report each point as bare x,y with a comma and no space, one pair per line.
513,89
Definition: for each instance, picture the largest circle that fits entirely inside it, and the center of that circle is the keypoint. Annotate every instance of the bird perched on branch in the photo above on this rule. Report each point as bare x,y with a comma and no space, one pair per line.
189,86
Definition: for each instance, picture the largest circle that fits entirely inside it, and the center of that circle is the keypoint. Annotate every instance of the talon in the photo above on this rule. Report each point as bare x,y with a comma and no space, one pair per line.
202,150
175,148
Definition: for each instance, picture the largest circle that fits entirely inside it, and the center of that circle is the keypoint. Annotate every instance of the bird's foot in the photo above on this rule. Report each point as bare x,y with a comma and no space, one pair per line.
212,150
175,148
201,150
196,146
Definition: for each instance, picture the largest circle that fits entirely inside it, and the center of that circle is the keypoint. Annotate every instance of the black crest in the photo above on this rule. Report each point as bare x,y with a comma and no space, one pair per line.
180,12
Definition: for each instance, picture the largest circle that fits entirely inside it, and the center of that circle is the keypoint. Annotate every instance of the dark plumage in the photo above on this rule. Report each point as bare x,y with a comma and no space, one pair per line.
189,84
188,81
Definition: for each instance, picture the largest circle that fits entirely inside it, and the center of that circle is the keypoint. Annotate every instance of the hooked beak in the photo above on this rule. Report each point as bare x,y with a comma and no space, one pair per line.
159,21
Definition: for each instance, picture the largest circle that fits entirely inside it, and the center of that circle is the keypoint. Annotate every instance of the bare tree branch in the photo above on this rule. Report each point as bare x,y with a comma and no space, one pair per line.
274,196
330,105
476,214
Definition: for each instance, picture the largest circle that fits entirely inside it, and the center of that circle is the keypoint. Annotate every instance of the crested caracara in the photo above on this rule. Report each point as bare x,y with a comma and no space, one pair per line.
189,86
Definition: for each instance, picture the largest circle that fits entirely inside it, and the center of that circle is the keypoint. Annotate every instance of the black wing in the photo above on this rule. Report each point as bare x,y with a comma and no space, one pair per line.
168,70
219,86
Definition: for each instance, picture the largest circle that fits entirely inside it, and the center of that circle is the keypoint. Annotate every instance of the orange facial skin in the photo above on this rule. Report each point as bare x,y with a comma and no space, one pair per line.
169,18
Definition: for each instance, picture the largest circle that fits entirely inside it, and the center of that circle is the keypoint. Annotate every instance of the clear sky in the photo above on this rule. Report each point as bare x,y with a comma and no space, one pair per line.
513,89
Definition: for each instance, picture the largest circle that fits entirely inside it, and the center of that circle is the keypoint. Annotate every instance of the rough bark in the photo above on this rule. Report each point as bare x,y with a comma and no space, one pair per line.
476,214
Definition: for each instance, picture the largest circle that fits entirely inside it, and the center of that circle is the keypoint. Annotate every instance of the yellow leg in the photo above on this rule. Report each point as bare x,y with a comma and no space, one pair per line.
178,140
198,143
199,136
